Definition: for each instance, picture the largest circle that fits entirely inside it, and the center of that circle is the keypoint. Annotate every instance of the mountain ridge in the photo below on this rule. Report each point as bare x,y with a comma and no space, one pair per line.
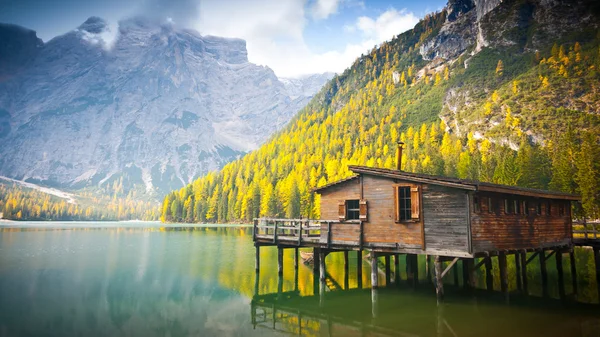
157,105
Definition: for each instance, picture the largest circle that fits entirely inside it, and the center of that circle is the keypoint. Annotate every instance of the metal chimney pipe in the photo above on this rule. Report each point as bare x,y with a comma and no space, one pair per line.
399,156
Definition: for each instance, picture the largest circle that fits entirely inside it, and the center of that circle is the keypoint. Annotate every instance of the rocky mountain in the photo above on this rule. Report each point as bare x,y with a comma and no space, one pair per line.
152,108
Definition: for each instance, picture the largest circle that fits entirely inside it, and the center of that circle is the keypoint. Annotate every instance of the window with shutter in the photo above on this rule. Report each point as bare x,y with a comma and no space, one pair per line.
342,210
407,203
363,210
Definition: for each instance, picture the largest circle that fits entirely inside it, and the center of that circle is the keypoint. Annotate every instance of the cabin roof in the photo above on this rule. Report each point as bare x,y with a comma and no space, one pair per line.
470,185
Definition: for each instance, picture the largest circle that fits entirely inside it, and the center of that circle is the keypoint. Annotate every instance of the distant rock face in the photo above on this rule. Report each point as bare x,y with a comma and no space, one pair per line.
18,47
159,104
474,23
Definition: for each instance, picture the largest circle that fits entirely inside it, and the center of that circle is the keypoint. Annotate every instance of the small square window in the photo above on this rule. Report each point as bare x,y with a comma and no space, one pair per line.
352,210
517,206
539,208
548,208
476,204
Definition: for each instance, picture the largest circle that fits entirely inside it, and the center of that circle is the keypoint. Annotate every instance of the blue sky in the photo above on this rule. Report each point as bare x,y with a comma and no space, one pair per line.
293,37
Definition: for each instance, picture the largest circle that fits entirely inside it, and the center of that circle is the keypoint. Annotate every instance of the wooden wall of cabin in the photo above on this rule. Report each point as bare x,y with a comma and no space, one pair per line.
445,212
330,199
497,230
381,225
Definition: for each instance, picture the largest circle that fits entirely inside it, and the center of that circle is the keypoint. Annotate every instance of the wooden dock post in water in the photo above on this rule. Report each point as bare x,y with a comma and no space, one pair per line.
322,270
387,270
597,262
439,283
257,259
573,271
489,277
428,268
412,274
524,271
359,260
559,270
279,261
543,272
374,271
503,272
346,274
296,258
467,269
397,269
518,271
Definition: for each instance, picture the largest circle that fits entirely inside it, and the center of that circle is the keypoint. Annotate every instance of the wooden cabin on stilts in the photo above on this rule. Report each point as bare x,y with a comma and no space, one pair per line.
448,220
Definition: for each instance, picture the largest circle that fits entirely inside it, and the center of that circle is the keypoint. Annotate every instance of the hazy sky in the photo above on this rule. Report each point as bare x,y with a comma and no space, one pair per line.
293,37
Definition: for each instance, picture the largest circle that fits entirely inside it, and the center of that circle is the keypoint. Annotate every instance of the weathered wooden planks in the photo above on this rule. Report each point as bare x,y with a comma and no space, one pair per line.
497,230
445,218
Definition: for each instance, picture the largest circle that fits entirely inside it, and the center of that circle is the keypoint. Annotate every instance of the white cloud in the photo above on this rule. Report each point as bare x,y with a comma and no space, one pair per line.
273,30
387,25
322,9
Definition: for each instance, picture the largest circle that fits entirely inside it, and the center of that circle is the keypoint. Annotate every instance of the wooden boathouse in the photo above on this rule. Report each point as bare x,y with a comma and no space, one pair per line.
392,212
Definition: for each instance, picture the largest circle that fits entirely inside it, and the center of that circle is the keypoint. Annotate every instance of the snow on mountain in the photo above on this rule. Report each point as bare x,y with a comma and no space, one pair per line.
145,100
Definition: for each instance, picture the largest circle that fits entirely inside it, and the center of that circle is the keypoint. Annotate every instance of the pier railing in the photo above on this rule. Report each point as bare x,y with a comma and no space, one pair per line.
586,230
289,231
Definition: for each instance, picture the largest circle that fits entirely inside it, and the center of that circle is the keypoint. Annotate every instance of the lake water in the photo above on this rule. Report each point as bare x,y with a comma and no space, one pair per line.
146,279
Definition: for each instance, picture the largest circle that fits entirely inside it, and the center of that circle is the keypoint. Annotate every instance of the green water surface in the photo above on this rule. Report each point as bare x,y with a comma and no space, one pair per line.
148,279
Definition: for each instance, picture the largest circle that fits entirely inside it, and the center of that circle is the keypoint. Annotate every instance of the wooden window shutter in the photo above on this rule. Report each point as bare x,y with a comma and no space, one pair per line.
396,204
342,210
414,202
363,210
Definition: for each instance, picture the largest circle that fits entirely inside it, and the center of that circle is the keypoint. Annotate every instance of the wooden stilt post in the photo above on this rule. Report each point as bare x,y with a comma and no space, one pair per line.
296,269
397,269
523,258
573,272
597,263
439,284
489,277
415,267
296,258
316,263
256,283
466,268
257,259
346,276
322,271
543,272
279,261
455,273
518,271
503,272
559,270
411,269
387,270
359,260
428,268
374,271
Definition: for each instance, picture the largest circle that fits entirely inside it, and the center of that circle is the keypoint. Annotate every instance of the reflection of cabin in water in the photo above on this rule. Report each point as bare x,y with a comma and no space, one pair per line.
394,212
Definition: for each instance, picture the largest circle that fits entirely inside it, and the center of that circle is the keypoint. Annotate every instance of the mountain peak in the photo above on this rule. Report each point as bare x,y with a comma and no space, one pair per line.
94,25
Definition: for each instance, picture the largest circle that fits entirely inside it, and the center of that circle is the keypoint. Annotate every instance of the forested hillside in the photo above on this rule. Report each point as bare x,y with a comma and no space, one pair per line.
22,203
519,106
